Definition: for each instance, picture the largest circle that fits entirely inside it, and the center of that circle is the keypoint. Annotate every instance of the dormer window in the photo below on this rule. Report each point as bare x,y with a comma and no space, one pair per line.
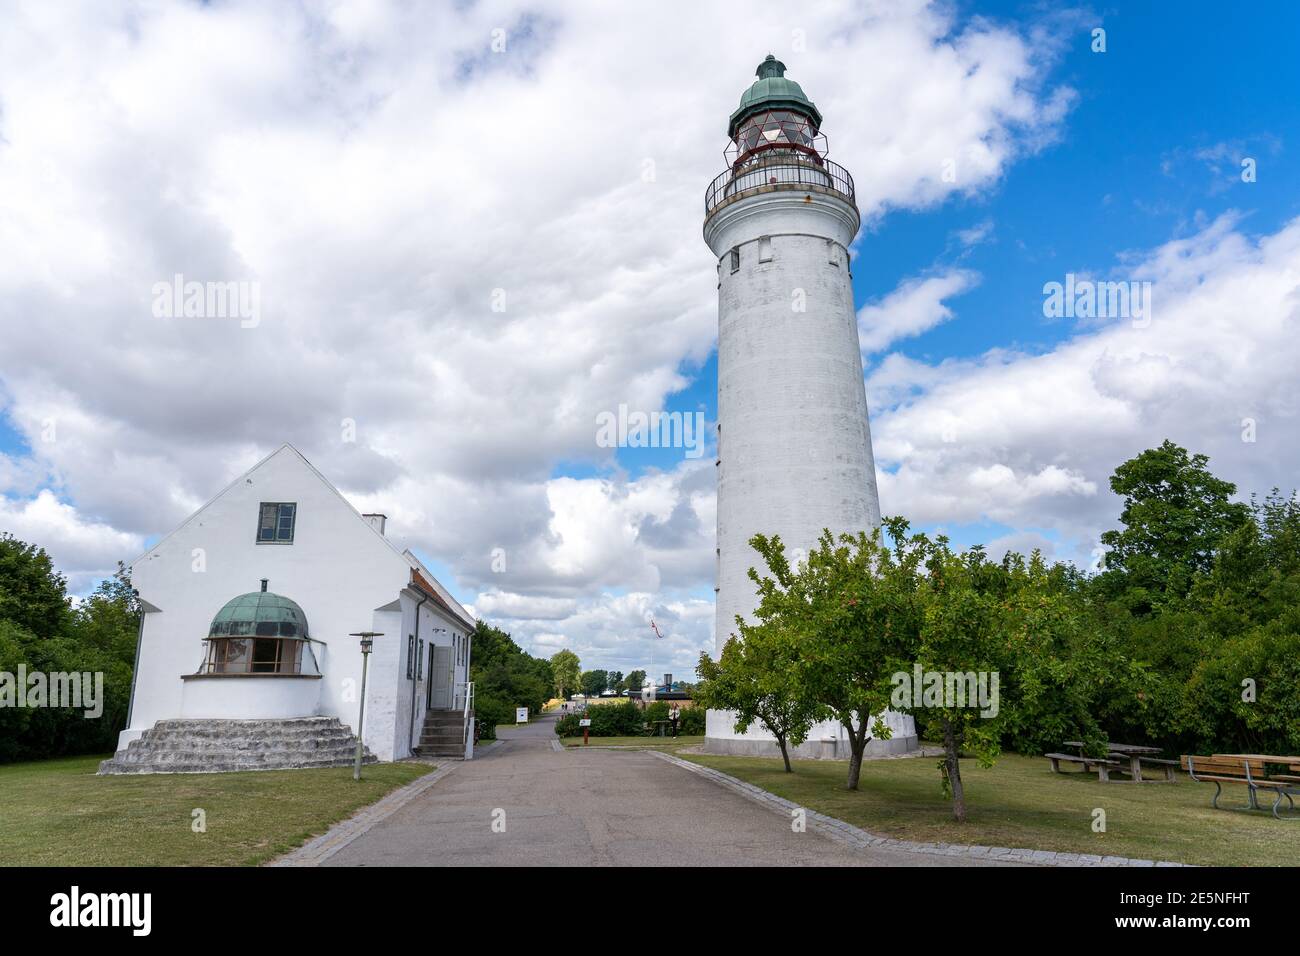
275,524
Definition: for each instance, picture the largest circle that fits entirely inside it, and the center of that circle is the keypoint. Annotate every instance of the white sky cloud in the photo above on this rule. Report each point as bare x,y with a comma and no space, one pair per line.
381,173
1031,440
916,306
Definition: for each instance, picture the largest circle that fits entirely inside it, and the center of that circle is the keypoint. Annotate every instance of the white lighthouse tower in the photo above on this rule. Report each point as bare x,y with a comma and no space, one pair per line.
794,443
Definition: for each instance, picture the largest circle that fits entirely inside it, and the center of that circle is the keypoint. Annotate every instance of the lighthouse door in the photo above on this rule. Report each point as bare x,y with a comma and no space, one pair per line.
440,678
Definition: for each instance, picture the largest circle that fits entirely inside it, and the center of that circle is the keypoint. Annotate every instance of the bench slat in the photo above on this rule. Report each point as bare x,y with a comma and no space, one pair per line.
1075,758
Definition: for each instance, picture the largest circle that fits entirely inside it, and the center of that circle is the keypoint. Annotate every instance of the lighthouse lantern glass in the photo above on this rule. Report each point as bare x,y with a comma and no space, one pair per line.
776,130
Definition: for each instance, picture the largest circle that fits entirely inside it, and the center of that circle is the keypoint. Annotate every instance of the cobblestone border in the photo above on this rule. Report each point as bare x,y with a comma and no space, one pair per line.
856,837
319,849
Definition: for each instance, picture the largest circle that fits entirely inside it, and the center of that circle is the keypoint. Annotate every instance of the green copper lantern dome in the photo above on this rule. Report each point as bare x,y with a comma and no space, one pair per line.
772,91
260,614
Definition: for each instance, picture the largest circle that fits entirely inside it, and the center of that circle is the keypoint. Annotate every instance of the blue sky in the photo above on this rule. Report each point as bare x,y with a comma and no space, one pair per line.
380,170
1150,151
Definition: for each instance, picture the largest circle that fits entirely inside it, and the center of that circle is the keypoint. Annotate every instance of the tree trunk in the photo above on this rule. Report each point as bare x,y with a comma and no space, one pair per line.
785,755
857,746
954,772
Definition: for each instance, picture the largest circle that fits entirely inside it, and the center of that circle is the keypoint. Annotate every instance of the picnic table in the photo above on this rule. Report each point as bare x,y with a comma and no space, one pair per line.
1135,754
1253,771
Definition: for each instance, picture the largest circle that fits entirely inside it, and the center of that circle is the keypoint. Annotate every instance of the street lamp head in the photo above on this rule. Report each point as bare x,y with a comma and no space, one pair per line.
367,639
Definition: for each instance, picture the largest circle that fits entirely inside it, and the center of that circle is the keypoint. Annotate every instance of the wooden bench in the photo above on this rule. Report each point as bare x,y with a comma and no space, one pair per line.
1167,765
1134,755
1103,767
1250,771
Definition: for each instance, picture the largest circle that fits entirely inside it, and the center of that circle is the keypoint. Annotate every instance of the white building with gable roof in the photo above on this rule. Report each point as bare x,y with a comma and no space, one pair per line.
248,607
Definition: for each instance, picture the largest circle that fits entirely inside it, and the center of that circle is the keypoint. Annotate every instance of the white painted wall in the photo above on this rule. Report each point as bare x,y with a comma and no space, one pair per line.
339,569
795,444
266,698
794,436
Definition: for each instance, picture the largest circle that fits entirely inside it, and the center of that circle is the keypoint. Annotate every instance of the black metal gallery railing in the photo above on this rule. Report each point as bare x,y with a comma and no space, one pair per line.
785,171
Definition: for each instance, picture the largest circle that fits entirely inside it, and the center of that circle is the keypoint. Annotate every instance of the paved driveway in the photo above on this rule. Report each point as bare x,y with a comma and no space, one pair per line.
593,807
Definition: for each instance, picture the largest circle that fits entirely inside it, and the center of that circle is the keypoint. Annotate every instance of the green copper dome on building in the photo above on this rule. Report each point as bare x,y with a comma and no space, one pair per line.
260,614
772,91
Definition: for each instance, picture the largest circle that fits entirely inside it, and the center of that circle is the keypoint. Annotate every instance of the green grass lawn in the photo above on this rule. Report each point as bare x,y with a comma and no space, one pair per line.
58,813
1021,803
641,743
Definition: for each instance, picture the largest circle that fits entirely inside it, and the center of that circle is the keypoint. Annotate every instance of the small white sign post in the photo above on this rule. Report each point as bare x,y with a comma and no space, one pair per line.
521,715
585,724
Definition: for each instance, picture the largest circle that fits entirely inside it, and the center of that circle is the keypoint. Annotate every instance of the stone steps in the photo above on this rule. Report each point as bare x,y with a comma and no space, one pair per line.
442,734
215,746
260,742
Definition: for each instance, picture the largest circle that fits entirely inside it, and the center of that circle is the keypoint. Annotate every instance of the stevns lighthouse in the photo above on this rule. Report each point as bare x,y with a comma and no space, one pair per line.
794,443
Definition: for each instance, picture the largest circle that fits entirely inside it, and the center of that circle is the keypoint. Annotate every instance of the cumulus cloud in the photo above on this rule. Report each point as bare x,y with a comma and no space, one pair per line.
1030,440
473,227
916,306
85,551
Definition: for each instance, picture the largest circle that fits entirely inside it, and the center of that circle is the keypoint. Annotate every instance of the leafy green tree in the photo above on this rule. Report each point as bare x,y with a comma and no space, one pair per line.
566,672
635,681
851,606
505,677
755,677
32,594
1175,515
97,639
109,619
616,683
1243,696
593,682
1233,681
1001,646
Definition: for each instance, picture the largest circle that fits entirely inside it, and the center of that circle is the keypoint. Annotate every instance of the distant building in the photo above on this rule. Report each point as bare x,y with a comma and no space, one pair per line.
648,694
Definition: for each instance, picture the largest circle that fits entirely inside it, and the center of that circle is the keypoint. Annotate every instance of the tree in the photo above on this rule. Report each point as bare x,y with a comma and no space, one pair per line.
1000,646
635,680
959,636
851,606
1175,515
593,682
109,619
616,683
40,631
32,594
505,677
755,677
566,672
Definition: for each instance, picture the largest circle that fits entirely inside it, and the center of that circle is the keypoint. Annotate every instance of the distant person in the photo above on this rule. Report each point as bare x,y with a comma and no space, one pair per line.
673,716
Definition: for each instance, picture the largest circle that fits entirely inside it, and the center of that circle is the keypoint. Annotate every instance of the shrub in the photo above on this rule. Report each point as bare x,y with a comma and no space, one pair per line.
692,722
607,720
490,711
656,711
567,726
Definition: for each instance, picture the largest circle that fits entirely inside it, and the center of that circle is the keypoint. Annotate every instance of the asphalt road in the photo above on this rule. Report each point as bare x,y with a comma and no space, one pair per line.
519,803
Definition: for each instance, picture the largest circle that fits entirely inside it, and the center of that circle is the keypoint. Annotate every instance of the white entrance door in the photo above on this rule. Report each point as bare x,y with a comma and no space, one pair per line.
441,677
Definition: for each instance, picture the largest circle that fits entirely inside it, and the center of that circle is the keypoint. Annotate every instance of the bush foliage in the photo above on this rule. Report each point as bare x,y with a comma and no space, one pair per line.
41,631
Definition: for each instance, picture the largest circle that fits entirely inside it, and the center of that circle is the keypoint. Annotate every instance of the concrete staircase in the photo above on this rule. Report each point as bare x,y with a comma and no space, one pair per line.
214,746
442,734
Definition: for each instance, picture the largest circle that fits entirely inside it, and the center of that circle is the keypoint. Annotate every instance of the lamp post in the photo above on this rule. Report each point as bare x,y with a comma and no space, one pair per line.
367,641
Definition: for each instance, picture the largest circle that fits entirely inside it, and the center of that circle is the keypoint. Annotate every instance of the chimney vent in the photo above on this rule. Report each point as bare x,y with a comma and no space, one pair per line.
377,521
264,585
668,681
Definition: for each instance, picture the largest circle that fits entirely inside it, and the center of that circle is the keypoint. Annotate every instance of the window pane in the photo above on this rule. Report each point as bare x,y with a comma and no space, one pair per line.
286,522
232,656
276,520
